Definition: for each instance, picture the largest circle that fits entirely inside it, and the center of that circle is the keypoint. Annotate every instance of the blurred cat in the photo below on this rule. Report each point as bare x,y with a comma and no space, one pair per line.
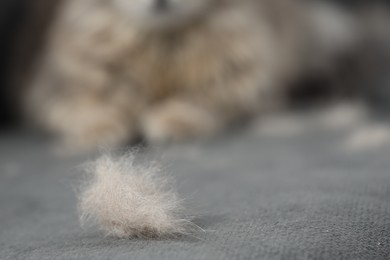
170,70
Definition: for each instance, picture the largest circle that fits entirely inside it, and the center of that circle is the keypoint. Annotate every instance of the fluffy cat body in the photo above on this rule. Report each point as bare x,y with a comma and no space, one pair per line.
118,69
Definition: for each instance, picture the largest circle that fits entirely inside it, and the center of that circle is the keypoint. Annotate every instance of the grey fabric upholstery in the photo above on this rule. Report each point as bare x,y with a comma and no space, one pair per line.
296,197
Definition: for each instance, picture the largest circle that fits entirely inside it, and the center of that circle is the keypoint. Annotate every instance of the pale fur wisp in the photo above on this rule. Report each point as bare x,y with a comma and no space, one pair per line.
131,200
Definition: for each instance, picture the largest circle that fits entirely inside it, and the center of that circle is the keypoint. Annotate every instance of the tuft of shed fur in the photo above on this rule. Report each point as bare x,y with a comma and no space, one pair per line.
130,200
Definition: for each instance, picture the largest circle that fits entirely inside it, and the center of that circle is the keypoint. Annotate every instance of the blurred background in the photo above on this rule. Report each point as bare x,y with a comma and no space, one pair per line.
23,27
23,30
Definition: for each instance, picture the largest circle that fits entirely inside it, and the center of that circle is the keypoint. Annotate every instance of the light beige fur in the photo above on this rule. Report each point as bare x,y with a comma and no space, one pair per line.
115,70
129,200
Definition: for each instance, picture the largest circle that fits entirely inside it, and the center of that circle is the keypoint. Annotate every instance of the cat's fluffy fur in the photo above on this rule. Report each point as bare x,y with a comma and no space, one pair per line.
127,200
118,69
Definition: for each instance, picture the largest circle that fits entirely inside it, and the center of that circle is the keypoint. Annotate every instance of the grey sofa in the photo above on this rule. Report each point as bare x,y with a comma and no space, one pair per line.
256,197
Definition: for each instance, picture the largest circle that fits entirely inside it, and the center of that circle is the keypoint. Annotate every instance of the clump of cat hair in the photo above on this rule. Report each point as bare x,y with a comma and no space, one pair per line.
131,200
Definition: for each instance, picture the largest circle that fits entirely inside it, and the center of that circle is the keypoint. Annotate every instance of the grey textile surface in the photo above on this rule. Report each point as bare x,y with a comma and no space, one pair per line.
298,197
